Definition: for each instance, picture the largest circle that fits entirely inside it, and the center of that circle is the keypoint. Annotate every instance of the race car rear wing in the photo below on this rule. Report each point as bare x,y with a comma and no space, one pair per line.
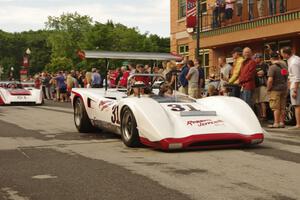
132,55
129,56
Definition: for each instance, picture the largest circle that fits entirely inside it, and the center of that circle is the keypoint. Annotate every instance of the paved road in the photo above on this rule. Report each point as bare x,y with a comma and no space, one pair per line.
43,157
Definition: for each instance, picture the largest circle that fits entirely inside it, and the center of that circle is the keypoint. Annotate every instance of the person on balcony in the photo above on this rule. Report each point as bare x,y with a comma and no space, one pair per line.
261,8
239,8
251,9
229,5
272,6
218,13
282,6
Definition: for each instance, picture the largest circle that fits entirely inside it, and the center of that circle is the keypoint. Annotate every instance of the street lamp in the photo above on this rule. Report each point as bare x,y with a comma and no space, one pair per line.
28,52
11,75
26,60
1,71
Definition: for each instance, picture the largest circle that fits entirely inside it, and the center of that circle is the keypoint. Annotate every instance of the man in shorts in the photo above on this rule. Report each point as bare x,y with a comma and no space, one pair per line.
294,81
277,87
260,94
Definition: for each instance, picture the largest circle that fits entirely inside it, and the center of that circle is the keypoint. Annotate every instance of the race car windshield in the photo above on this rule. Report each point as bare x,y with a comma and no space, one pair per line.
11,85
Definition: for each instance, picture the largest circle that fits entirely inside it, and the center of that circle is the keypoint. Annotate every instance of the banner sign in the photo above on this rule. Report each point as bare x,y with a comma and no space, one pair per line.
191,13
81,54
25,61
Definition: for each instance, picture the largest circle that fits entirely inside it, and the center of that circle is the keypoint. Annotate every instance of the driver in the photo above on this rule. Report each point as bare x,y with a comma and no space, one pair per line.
138,90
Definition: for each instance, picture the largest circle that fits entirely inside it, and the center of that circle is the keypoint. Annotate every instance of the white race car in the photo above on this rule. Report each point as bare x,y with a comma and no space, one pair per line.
165,121
19,93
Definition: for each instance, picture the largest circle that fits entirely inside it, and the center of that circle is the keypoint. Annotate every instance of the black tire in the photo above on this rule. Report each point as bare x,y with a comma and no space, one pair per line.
81,119
290,118
129,133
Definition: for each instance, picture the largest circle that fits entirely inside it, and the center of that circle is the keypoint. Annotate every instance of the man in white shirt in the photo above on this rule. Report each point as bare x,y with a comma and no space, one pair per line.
225,70
193,79
294,81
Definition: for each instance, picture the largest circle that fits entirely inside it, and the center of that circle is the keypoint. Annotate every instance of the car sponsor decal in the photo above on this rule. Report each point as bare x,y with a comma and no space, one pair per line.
205,122
105,104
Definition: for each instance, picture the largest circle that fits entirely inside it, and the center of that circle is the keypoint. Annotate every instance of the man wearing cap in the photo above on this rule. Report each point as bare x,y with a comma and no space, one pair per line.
247,77
277,87
238,61
294,80
260,93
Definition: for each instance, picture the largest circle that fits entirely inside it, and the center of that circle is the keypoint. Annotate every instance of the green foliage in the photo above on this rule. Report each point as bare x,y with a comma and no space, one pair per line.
69,34
13,47
59,64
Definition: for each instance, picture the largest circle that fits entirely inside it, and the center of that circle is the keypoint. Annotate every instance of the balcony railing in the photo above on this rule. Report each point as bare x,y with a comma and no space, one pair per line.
213,24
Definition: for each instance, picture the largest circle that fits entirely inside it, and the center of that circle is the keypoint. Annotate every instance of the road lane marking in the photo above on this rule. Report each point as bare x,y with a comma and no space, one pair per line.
44,176
13,195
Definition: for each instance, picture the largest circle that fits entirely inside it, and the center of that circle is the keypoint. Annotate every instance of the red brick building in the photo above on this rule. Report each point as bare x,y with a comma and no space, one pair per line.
281,29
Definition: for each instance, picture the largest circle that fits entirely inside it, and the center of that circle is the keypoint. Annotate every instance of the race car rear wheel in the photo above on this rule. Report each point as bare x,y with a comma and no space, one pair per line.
81,119
129,131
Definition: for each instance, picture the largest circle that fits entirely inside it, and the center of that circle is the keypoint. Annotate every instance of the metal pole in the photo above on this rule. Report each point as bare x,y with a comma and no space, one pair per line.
198,29
106,74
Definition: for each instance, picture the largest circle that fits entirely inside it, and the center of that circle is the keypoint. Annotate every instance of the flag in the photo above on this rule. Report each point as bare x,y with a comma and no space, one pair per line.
191,13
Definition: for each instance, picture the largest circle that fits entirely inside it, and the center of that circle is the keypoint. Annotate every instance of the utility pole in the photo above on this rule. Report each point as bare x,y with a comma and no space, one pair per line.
199,18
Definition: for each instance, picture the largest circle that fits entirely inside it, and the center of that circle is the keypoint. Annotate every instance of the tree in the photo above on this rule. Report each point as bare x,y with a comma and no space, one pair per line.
59,64
68,34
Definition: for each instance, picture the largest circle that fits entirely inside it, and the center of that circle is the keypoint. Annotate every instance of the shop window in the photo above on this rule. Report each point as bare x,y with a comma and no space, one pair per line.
204,61
182,8
204,6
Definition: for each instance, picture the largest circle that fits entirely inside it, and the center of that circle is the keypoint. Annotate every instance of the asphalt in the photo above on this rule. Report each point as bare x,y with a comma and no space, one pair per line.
74,177
43,157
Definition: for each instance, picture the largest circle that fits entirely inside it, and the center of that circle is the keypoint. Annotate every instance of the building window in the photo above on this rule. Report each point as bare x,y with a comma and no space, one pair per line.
204,61
183,49
182,8
203,6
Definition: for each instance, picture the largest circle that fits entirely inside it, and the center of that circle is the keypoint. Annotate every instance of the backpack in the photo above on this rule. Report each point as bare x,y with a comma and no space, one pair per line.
284,72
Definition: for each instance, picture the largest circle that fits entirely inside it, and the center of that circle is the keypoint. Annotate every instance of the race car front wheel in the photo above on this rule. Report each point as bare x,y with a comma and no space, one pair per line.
130,134
81,119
